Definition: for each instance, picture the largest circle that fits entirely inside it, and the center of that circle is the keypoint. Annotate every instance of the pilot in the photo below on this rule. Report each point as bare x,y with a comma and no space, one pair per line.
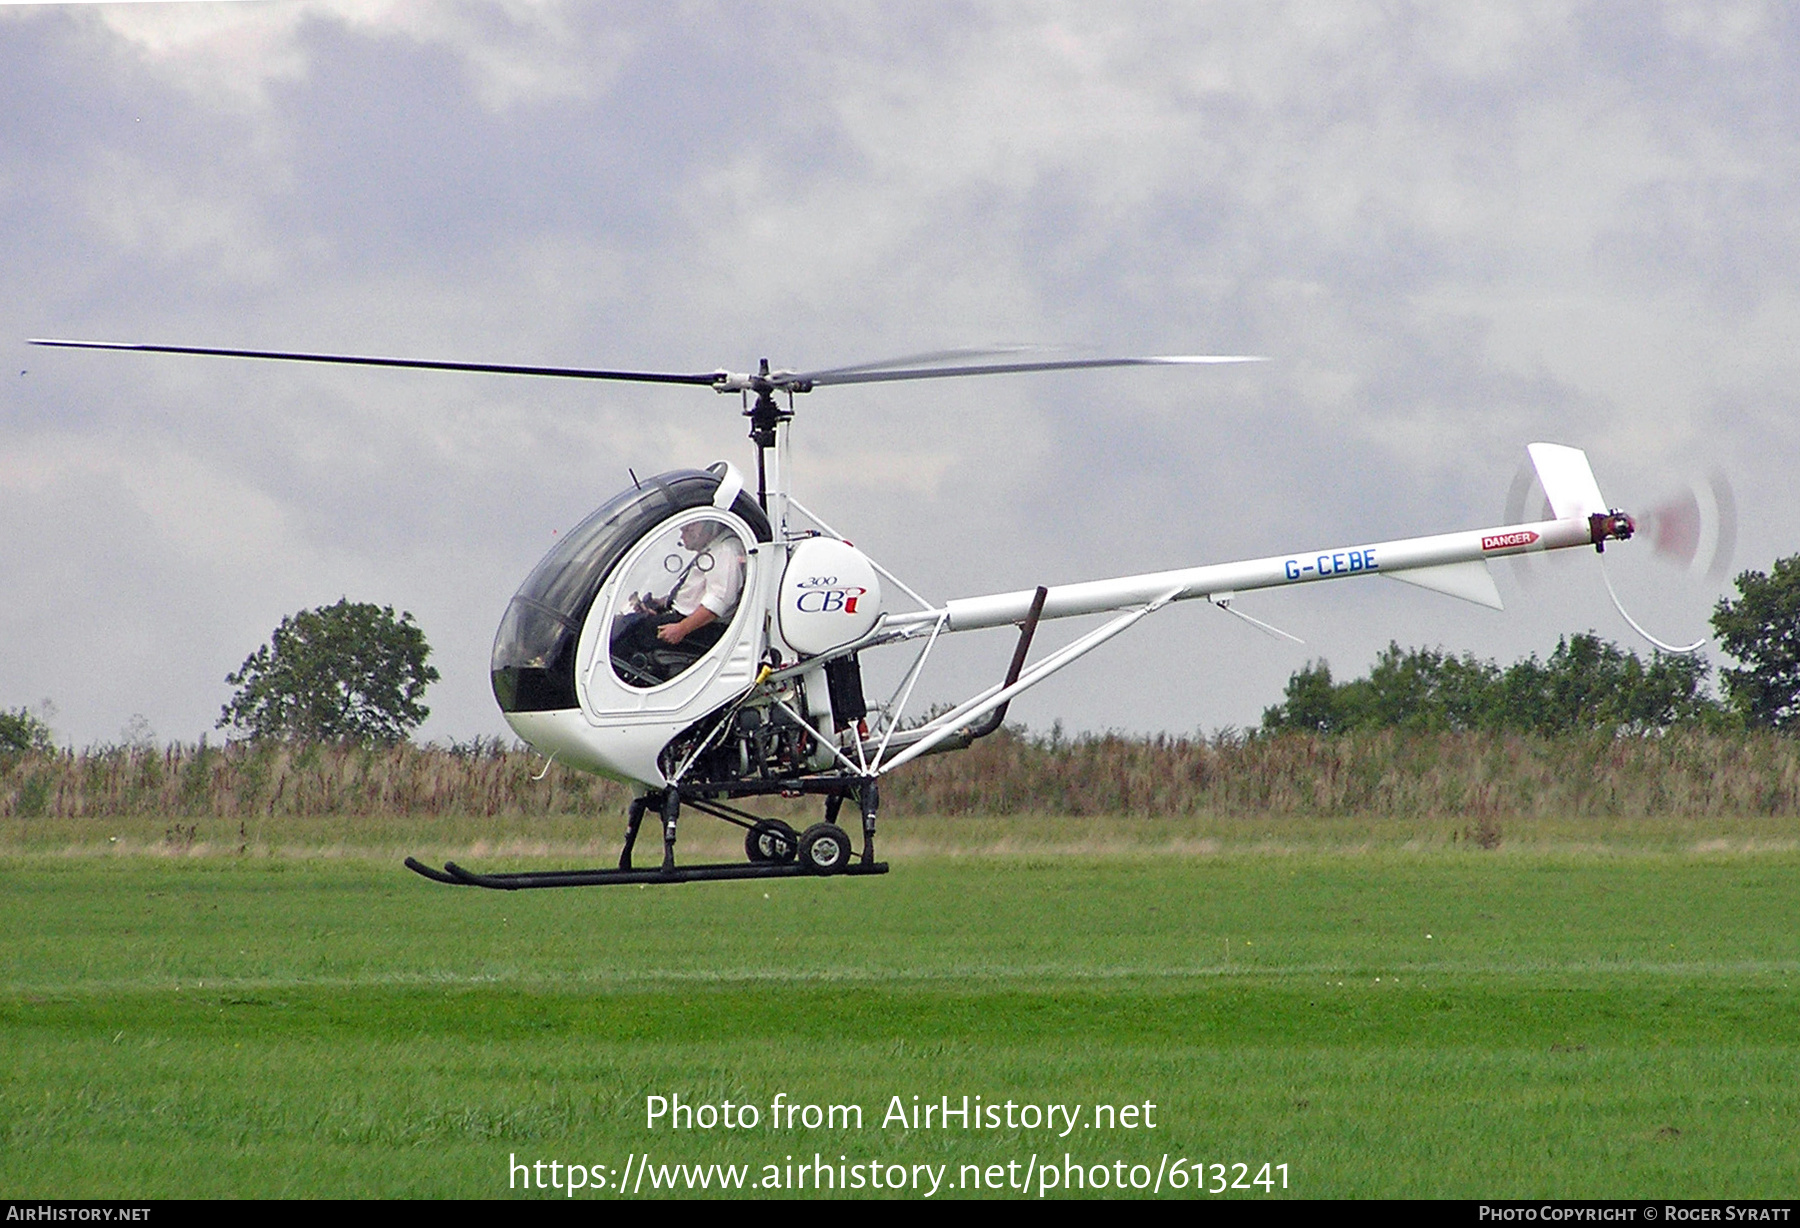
710,586
698,607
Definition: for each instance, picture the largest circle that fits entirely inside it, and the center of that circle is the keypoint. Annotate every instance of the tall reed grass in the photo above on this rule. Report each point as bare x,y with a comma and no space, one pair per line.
250,781
1375,774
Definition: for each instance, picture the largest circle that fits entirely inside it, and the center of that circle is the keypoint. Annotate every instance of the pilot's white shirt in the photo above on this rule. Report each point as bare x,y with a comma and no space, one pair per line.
719,586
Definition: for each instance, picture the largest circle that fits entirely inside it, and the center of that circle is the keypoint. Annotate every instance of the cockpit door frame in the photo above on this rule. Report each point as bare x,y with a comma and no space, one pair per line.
727,667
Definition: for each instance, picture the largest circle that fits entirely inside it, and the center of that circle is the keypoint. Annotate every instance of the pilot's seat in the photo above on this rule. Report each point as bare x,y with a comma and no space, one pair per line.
640,664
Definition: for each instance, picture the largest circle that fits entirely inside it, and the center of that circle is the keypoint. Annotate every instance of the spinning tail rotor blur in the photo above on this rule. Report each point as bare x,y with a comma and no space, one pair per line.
1696,528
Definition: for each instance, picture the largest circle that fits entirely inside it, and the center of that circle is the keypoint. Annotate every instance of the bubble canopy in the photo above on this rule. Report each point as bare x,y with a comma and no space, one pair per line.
534,651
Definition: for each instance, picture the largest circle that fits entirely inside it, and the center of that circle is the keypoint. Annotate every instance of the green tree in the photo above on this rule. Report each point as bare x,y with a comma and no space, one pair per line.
21,730
1311,703
1591,683
349,672
1762,630
1420,689
1588,683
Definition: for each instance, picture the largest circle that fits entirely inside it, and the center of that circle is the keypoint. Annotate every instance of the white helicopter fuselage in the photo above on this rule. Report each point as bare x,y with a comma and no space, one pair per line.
793,619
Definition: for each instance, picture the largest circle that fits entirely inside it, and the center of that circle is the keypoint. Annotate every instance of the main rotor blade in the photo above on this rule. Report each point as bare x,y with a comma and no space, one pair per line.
867,376
933,358
418,364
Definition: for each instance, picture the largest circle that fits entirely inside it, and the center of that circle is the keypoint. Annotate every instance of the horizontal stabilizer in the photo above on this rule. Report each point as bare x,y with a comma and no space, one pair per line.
1567,480
1472,581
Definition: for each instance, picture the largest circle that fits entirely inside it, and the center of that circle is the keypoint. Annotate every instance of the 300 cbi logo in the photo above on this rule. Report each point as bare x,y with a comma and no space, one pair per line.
824,595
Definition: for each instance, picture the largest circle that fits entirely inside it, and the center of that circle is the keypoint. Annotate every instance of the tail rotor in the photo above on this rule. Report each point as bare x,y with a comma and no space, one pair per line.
1696,527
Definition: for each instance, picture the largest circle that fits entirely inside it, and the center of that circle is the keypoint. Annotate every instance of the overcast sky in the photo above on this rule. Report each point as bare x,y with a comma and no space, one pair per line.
1453,229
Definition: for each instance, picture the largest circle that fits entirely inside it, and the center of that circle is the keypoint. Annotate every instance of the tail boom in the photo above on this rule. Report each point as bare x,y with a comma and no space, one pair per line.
1389,558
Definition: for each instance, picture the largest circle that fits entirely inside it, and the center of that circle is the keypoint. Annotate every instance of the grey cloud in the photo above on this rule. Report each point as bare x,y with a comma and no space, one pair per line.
1453,232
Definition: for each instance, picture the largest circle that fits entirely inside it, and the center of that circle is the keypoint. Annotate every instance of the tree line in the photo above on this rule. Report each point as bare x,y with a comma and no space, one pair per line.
1587,683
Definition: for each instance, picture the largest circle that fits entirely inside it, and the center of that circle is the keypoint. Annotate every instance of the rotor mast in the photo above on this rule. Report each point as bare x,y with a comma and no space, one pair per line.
767,417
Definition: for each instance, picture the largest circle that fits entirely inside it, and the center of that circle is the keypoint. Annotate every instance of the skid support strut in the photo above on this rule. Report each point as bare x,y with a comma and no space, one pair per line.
671,807
870,798
634,819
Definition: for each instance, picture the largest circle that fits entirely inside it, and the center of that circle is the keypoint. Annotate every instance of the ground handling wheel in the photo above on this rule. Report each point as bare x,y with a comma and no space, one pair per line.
825,848
771,842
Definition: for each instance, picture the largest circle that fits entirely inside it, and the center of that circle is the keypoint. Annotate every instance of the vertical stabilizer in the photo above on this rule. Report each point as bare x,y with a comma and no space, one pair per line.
1568,481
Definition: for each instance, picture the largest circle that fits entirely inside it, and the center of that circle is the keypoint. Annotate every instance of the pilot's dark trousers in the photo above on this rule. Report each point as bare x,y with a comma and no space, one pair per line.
636,633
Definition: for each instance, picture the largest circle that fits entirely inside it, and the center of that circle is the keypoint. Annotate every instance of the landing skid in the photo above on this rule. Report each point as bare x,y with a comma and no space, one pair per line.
457,876
775,850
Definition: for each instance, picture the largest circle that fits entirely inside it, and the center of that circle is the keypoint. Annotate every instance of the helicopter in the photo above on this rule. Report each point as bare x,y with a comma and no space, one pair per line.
700,638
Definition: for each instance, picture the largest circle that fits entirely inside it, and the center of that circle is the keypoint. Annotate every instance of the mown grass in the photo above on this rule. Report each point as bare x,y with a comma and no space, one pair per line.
1609,1019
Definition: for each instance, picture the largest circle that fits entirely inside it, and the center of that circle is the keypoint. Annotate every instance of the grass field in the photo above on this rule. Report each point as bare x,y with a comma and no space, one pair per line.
1385,1011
